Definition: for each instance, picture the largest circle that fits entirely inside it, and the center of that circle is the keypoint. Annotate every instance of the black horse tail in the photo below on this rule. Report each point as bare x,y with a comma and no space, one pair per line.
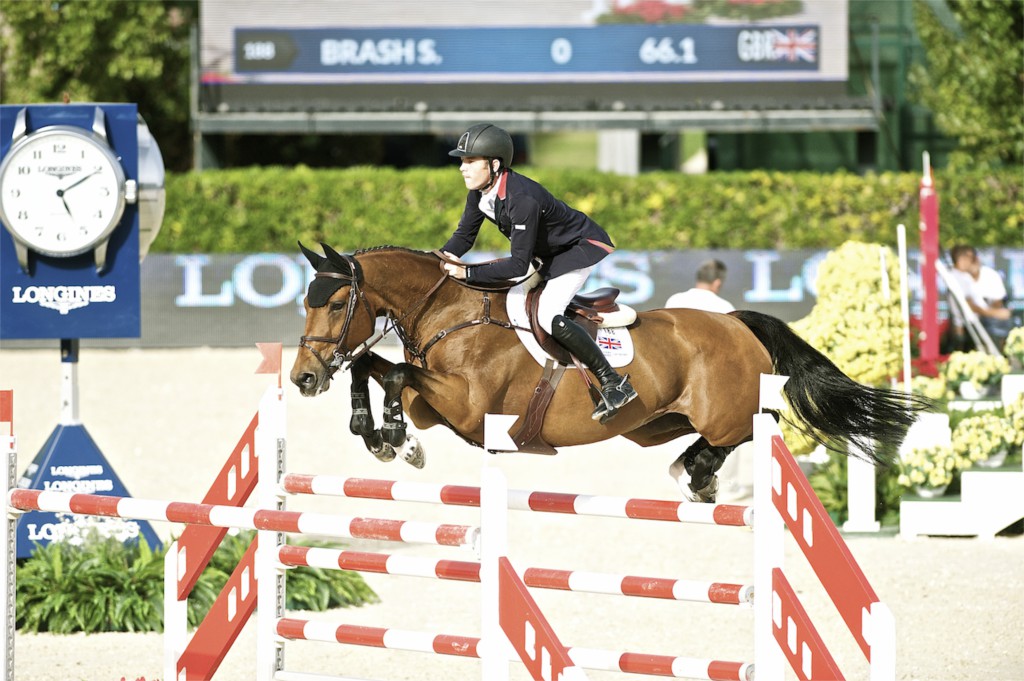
837,408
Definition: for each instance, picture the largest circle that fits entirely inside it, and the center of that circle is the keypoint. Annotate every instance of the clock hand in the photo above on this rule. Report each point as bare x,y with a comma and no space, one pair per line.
80,180
60,193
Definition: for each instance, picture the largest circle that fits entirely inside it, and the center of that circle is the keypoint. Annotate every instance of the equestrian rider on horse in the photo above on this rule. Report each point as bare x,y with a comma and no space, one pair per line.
568,243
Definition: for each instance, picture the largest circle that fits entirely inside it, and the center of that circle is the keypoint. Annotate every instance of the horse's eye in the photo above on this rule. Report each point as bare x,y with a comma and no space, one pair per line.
337,305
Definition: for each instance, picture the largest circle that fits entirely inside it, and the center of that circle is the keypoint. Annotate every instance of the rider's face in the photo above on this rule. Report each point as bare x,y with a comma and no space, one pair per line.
475,172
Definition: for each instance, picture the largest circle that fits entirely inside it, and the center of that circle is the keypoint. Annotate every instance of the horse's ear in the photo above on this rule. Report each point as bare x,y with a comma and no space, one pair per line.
335,258
315,259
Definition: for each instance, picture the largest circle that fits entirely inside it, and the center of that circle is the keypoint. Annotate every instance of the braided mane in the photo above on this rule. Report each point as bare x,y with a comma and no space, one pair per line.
385,247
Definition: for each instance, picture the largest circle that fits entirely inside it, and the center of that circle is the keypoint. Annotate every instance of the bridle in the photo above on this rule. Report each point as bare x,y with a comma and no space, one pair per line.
341,353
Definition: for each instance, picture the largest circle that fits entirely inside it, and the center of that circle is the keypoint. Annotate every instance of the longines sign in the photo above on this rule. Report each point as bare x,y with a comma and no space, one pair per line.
232,300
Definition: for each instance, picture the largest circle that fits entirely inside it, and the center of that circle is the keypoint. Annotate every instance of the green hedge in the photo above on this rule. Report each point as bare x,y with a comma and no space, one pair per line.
268,209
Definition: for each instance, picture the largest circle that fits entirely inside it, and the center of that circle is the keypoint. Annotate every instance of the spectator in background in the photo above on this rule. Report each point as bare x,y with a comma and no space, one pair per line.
984,292
704,294
737,472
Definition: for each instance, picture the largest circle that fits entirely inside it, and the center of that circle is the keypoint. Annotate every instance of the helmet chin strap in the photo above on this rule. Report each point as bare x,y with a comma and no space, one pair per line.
493,175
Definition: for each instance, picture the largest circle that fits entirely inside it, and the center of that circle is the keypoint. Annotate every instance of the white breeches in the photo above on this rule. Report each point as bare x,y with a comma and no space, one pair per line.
557,294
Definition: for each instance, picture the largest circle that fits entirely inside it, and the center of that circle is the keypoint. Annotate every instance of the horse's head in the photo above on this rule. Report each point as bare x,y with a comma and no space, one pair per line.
338,319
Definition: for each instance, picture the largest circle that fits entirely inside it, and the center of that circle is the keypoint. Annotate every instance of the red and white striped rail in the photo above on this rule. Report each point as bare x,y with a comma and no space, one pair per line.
521,500
408,531
540,578
469,646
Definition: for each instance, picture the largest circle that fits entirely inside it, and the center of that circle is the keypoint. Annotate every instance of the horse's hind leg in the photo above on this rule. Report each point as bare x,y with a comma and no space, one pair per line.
699,463
361,422
407,446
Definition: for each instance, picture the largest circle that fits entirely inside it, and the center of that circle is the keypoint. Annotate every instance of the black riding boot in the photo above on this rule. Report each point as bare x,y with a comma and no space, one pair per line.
616,391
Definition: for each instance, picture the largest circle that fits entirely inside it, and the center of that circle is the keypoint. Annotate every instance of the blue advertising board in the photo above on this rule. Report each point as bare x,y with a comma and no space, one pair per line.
69,297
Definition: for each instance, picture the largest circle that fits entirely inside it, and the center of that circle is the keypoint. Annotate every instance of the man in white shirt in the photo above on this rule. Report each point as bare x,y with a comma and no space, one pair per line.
704,294
984,291
737,473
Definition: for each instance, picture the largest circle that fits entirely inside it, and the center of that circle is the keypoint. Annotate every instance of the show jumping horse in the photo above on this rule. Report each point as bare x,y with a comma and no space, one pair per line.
695,371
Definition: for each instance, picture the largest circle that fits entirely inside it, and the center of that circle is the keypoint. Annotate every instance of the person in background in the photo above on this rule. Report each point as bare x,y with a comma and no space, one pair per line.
566,241
737,472
704,294
984,292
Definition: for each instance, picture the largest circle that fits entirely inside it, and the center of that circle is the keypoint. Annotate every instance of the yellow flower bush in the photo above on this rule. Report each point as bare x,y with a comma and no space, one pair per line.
928,467
1014,347
853,322
936,388
976,438
979,368
1015,416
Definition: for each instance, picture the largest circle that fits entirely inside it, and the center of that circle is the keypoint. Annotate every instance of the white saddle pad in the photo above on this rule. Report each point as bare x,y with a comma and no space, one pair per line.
616,343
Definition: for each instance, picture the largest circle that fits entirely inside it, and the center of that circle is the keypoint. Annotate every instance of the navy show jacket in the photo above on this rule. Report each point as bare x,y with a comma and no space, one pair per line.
538,226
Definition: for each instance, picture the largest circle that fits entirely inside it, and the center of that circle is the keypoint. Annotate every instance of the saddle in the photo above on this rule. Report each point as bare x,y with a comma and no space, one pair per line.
591,310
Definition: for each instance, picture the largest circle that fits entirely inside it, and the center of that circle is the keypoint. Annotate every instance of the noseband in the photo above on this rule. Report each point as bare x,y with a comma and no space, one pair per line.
341,353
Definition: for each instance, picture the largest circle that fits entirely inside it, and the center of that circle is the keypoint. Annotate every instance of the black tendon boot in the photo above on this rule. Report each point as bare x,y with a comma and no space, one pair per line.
616,392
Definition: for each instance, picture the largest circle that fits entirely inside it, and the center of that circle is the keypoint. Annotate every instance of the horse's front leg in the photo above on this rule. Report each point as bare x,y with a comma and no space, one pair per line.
393,430
361,422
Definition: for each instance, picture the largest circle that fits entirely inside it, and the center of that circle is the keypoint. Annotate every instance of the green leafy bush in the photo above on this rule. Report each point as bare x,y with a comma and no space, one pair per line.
267,209
105,585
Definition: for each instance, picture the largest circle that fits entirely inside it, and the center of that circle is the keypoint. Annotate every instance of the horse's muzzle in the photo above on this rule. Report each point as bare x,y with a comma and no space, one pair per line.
309,383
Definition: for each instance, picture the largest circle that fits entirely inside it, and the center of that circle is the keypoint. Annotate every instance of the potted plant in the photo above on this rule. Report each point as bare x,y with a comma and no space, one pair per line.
975,374
983,439
928,470
1014,348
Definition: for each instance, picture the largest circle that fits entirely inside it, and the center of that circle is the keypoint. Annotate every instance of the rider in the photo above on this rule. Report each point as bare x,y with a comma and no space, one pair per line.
568,243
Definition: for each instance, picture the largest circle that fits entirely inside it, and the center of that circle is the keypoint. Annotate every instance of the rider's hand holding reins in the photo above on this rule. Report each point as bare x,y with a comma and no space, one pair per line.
454,270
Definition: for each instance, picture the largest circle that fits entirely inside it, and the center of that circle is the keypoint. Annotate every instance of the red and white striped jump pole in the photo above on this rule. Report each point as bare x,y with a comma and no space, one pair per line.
297,522
468,646
521,500
538,578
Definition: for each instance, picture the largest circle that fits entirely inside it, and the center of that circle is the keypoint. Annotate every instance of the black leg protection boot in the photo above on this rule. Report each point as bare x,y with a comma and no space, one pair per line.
616,391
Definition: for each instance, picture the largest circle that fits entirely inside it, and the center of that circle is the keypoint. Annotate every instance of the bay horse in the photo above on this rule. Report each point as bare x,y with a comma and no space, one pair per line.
694,371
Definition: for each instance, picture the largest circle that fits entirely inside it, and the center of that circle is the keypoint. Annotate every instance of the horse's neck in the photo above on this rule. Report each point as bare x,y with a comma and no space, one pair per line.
404,283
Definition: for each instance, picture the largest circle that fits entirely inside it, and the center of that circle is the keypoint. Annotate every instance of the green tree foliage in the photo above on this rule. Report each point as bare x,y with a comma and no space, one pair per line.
103,51
974,77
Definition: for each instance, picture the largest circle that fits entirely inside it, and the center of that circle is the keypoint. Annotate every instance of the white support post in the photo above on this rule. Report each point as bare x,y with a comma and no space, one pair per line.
175,615
769,535
880,632
270,574
495,650
8,567
901,243
860,494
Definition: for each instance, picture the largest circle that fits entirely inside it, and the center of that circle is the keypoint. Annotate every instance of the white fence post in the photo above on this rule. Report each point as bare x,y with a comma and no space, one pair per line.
769,535
270,574
175,615
8,567
494,656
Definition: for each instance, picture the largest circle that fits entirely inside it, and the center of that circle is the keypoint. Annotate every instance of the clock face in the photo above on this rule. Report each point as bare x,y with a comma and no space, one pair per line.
61,191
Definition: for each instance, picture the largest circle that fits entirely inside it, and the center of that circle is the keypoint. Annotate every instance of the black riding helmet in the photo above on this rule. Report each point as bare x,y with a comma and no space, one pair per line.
485,140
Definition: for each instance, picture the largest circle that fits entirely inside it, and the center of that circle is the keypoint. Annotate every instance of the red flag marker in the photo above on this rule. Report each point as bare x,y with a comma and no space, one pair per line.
271,363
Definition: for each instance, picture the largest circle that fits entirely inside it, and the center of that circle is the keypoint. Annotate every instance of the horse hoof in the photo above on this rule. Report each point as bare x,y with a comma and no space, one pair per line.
678,472
412,452
385,453
704,495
